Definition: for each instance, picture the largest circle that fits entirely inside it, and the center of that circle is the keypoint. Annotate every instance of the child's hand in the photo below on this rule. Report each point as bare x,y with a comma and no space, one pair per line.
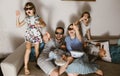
85,44
64,57
63,47
81,19
17,13
76,22
70,59
37,25
98,44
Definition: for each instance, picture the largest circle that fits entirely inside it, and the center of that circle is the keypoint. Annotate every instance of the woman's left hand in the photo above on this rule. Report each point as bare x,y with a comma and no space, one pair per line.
75,27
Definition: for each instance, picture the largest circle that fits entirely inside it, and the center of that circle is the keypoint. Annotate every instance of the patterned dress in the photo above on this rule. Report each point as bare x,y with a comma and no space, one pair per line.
33,34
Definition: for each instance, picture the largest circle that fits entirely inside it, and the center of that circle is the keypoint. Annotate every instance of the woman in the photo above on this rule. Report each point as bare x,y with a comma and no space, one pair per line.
79,65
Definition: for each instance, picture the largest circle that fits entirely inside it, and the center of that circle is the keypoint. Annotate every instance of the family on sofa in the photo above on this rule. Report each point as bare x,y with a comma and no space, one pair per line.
60,47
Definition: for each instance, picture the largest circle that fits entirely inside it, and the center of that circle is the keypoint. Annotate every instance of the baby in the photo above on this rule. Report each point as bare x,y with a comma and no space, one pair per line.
56,54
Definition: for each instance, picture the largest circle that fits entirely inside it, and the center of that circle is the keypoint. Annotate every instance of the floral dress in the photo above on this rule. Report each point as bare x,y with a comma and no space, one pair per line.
33,34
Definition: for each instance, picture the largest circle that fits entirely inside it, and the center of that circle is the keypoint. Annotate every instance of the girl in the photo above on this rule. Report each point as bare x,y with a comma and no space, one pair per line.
33,32
79,65
85,25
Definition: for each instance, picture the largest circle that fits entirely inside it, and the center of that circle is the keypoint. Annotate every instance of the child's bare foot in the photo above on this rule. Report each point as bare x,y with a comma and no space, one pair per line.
27,72
99,72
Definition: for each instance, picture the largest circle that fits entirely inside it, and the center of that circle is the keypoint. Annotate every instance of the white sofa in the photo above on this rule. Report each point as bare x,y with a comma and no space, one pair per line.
12,64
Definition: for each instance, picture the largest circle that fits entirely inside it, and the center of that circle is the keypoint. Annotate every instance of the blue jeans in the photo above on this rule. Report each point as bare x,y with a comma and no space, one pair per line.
32,54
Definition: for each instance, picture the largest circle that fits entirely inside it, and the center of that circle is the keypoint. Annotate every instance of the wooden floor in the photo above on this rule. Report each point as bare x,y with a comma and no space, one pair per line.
0,67
109,69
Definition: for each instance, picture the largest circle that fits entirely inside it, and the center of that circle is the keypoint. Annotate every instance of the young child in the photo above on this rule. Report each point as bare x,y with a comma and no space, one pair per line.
33,33
85,25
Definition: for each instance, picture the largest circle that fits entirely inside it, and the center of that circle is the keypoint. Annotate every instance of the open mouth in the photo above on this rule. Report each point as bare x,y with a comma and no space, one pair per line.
71,32
86,19
28,12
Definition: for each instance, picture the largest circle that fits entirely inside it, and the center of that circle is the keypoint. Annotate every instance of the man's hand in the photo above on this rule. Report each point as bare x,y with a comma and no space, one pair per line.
46,37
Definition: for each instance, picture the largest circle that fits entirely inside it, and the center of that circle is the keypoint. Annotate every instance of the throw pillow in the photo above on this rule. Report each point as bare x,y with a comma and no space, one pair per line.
100,48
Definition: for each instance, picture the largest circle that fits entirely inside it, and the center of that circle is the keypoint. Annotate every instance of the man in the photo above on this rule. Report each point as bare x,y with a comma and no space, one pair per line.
48,66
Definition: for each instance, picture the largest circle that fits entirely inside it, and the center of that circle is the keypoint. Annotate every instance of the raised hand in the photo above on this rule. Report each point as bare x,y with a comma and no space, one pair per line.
46,37
81,19
17,13
75,27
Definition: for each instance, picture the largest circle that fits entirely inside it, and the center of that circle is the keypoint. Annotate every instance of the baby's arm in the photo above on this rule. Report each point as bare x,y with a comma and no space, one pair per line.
18,22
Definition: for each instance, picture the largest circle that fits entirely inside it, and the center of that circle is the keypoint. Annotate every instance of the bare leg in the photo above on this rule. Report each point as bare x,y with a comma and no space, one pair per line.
99,72
54,72
36,49
63,68
26,57
70,74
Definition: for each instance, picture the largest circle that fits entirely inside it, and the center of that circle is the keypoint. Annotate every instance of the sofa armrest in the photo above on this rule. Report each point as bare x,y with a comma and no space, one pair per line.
12,64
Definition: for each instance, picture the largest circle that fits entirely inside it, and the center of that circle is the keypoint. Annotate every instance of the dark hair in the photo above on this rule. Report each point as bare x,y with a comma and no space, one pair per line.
69,26
60,28
86,13
31,5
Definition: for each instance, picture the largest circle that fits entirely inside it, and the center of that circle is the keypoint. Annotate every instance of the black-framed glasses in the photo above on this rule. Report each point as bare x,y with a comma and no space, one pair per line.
70,29
31,8
60,33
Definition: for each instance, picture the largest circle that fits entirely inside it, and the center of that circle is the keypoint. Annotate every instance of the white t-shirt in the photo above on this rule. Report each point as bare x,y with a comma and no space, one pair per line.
85,28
